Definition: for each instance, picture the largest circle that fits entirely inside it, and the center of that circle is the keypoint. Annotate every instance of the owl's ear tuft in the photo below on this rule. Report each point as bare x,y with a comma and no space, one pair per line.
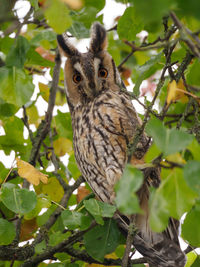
65,46
98,38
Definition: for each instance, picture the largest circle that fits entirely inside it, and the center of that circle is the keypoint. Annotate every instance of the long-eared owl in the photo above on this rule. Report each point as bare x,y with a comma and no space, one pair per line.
104,123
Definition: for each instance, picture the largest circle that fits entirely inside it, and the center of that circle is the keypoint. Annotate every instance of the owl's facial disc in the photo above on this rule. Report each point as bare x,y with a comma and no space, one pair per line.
89,76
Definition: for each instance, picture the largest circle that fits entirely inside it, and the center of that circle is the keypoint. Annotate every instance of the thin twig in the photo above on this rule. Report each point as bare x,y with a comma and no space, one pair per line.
140,130
129,242
194,47
188,249
25,121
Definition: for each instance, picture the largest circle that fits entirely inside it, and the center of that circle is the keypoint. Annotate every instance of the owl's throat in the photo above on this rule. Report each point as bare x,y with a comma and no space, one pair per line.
91,92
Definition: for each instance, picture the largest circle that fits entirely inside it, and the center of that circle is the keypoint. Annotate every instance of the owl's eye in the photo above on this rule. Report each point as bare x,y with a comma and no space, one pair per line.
103,73
77,78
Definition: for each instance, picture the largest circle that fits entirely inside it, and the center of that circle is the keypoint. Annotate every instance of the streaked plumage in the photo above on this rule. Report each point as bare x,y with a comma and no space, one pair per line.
104,123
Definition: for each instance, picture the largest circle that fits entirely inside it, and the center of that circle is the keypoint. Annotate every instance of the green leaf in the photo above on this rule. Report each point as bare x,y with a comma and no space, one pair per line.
6,43
152,153
99,209
102,240
172,199
190,227
16,86
191,256
192,9
73,168
64,125
42,203
6,109
72,219
191,175
57,15
34,3
3,172
14,127
7,232
87,15
65,264
197,262
57,237
62,256
39,248
146,70
42,219
97,4
129,183
193,73
130,17
148,14
46,34
8,213
194,147
13,138
17,54
92,206
107,210
18,200
59,264
169,141
79,30
180,197
33,58
120,251
115,48
159,214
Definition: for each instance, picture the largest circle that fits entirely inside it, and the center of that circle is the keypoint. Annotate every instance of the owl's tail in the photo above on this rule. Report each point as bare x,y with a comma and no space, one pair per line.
160,249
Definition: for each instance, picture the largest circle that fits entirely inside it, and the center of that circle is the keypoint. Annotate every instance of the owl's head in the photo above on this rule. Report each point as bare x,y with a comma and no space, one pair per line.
87,75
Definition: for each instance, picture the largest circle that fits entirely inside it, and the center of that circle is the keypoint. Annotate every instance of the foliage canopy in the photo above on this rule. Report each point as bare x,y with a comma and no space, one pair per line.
156,46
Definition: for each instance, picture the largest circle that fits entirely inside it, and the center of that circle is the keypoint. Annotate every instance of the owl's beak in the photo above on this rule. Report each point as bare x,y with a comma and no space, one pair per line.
93,88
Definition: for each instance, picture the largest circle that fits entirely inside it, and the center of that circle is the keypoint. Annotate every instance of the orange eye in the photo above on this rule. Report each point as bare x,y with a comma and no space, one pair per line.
77,78
103,73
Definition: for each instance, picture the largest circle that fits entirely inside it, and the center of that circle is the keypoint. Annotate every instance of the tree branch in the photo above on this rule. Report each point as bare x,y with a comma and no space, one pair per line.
54,216
49,252
44,126
129,242
140,130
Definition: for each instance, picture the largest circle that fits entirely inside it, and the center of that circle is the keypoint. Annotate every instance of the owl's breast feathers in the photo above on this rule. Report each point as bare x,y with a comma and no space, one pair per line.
102,131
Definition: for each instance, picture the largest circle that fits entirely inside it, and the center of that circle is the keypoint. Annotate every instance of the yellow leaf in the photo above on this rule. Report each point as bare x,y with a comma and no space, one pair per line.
62,146
74,4
177,158
126,82
108,256
53,189
31,174
44,90
60,98
33,116
176,91
94,265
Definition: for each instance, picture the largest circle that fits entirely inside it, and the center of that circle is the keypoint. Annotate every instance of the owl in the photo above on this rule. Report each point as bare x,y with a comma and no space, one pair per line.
104,123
